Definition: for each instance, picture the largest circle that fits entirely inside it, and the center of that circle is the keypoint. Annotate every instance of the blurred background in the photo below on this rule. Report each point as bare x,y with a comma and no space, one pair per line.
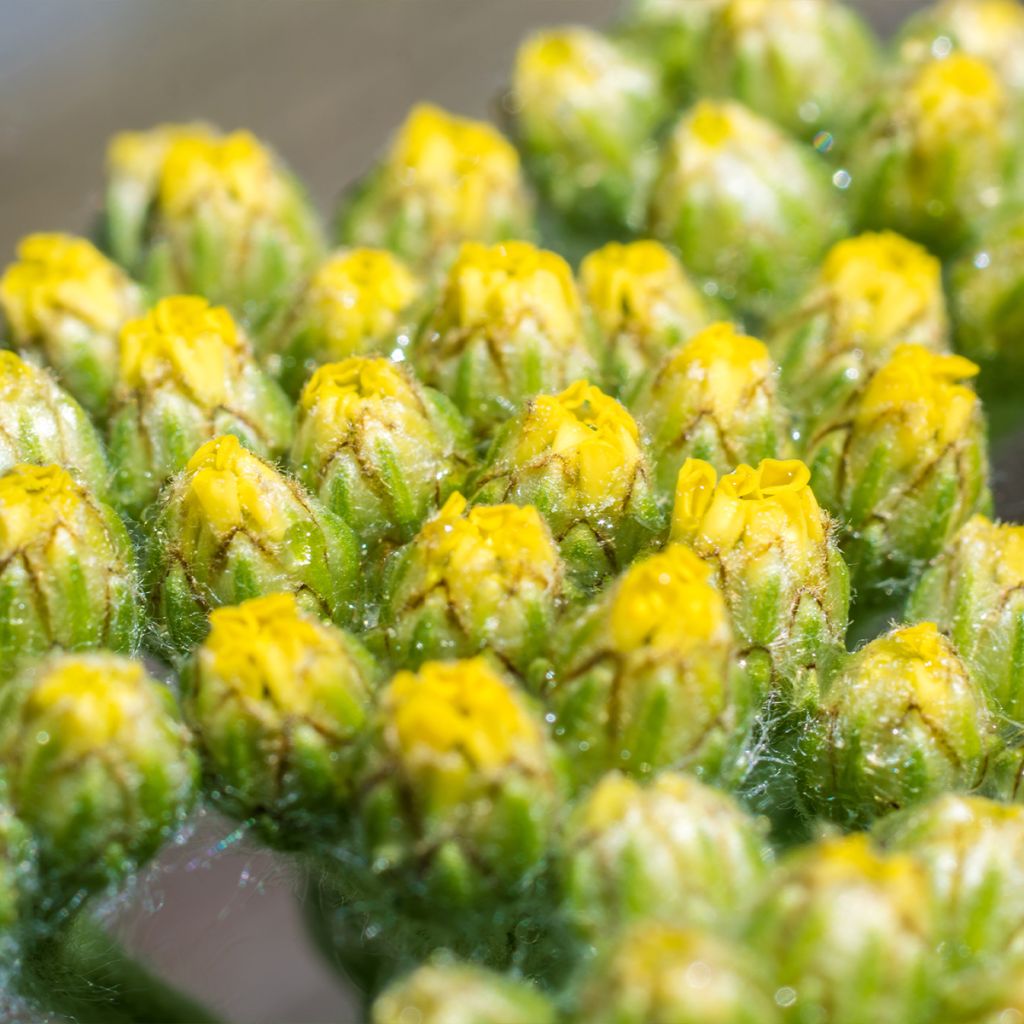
325,83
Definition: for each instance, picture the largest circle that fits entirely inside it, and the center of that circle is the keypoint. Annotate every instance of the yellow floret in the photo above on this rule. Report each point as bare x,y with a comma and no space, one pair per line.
186,342
881,284
359,295
461,710
714,124
667,601
231,489
919,394
592,435
956,99
459,162
1005,541
632,286
501,286
340,390
58,276
140,155
34,501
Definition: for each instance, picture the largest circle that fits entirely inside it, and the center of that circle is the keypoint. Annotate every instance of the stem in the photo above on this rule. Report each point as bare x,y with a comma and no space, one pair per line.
83,974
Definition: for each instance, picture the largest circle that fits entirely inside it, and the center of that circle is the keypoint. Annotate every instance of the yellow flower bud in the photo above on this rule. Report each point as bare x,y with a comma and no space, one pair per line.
138,157
36,502
230,489
643,304
959,97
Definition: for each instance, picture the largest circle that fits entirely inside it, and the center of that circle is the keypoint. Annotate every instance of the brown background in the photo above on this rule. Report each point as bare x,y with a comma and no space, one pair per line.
325,82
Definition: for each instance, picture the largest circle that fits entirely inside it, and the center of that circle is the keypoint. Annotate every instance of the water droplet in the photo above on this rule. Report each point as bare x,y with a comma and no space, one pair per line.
809,111
982,261
824,141
842,179
942,47
785,996
42,737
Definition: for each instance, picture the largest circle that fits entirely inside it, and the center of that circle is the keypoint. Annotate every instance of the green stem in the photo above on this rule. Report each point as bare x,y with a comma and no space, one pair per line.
84,975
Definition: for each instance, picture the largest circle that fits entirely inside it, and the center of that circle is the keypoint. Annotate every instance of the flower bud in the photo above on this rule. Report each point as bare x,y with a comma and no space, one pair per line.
659,974
974,591
41,424
848,933
714,398
230,527
508,326
643,305
444,181
187,375
747,207
802,63
489,578
456,993
674,34
776,561
642,678
985,285
67,569
378,448
872,294
97,763
223,219
933,152
972,850
18,883
673,849
358,302
901,723
64,303
903,465
277,700
578,457
586,113
992,30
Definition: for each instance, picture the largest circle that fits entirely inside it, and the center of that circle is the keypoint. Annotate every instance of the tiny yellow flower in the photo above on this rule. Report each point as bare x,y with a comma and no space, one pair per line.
591,435
231,489
185,340
36,502
357,298
501,287
459,162
139,156
460,716
956,99
668,601
917,398
59,277
881,284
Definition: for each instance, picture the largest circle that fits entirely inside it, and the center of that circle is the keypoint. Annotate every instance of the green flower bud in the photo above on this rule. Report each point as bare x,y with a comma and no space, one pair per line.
658,974
932,152
578,457
802,63
190,210
187,375
18,883
41,424
903,722
64,303
714,398
674,849
586,113
985,289
903,465
675,34
67,569
230,527
98,764
277,700
378,448
747,207
777,563
975,592
642,677
358,302
489,578
456,993
992,30
848,932
643,304
972,850
508,325
872,294
445,180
